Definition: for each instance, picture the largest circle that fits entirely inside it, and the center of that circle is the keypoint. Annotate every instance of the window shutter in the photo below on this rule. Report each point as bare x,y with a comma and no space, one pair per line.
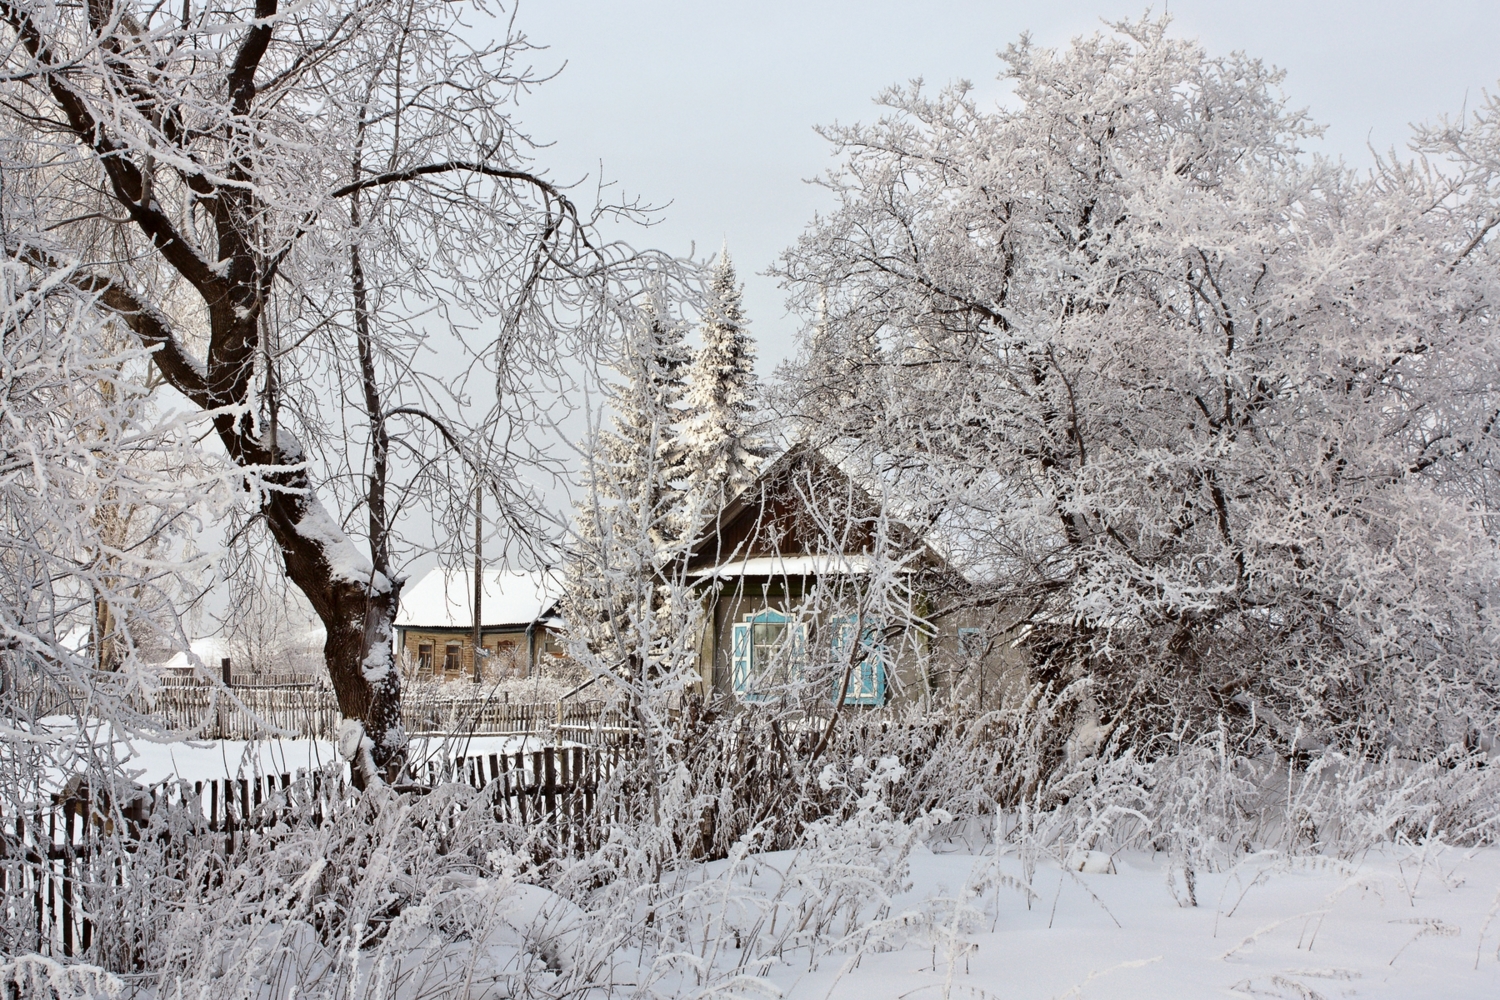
741,651
867,682
867,678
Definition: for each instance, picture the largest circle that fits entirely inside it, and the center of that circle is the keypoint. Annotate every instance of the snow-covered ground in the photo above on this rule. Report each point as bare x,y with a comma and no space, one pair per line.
208,760
1405,924
205,760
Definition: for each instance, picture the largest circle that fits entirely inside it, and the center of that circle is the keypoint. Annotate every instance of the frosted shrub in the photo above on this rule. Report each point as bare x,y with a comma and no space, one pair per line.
723,926
35,976
1208,802
391,896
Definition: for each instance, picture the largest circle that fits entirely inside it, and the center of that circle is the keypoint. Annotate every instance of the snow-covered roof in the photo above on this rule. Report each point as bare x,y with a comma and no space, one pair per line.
209,651
816,565
444,598
857,492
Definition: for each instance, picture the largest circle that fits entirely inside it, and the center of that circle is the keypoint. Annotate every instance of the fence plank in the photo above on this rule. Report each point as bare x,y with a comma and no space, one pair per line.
60,847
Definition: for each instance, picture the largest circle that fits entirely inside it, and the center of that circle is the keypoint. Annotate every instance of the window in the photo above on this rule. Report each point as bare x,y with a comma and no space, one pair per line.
972,645
506,659
867,674
453,658
424,657
769,651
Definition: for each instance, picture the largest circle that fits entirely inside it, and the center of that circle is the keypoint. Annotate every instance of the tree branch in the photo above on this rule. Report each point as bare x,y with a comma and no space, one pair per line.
451,166
155,330
124,177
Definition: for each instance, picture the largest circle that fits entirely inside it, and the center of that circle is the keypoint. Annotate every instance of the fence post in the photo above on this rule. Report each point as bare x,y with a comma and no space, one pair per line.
549,759
68,874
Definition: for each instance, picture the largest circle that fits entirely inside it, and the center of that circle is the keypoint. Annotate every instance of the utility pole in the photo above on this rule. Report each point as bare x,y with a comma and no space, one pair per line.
478,576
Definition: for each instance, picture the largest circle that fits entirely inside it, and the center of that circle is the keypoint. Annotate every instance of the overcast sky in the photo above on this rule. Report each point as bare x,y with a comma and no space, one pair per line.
708,108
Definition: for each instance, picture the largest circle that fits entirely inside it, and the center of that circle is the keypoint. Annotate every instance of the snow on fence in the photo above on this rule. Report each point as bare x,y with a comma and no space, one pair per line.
53,856
314,712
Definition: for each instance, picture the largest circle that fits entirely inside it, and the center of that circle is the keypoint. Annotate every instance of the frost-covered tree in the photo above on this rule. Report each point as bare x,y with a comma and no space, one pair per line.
632,620
100,494
323,222
631,525
720,449
1216,420
645,453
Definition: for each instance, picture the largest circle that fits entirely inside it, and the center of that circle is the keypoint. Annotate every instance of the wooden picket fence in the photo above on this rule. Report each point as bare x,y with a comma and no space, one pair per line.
49,853
208,713
587,722
262,680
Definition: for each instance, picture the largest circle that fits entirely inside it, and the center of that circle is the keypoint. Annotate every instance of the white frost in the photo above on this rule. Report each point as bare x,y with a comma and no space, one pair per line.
351,734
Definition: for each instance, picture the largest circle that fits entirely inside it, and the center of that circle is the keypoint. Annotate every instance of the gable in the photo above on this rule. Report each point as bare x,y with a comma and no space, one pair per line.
802,505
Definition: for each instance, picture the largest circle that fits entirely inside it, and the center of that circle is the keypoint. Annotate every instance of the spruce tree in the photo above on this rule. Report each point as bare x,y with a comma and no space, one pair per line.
629,531
720,453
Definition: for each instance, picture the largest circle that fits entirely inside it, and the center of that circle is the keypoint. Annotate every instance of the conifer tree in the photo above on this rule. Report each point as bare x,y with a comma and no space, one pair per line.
631,617
629,532
721,454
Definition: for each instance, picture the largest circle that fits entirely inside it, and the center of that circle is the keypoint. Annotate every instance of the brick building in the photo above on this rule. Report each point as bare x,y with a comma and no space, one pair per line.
519,624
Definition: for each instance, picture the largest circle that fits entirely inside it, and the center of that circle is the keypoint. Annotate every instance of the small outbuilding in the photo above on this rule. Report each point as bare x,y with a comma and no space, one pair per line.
519,623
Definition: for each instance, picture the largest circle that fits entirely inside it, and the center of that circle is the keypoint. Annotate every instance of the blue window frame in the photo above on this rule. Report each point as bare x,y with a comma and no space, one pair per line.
867,677
769,650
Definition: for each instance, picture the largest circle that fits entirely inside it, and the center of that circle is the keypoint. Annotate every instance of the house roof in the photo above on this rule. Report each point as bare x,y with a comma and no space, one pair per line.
780,524
803,565
444,598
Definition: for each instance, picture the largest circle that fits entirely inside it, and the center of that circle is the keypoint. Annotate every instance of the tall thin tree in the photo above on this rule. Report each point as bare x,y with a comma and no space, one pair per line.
720,451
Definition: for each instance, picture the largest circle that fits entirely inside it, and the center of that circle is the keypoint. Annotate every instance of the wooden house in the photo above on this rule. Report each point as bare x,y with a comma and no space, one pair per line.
519,625
805,576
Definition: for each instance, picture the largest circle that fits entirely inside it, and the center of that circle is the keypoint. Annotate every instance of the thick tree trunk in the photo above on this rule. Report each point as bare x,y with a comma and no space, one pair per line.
357,604
366,679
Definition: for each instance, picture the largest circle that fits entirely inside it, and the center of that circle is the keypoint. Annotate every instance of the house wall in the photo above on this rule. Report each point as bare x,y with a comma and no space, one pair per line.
975,660
507,648
804,505
972,660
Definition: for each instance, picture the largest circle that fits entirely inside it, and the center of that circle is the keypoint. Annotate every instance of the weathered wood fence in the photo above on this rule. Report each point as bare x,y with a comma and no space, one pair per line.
50,853
209,713
280,679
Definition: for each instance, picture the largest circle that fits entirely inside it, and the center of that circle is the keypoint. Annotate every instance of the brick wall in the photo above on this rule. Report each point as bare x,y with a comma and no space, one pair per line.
507,651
